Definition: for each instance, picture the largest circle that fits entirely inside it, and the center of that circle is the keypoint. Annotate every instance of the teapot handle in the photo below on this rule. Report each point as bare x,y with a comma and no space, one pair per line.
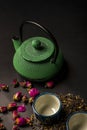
53,60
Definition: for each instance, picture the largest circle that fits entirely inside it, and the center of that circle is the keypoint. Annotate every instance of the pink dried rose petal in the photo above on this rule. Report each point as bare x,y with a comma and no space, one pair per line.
12,106
34,92
17,96
3,109
21,108
49,84
15,114
20,121
15,83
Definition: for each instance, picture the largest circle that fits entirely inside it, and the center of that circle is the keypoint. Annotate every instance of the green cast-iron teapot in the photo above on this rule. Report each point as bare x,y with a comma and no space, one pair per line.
37,58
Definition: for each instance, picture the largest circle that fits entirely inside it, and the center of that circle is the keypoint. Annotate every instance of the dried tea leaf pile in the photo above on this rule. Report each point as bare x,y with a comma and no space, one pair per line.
71,103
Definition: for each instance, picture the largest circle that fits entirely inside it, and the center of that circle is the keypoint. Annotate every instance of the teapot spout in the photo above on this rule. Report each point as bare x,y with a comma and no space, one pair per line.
16,43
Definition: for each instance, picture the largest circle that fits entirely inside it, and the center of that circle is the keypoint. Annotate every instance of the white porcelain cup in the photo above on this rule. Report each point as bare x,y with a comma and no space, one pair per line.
47,107
77,121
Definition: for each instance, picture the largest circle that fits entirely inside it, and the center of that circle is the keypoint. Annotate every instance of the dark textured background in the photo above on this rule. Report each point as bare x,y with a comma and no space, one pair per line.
67,21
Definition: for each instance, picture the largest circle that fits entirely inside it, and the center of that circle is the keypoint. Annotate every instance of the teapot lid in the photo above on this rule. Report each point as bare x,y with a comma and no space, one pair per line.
37,49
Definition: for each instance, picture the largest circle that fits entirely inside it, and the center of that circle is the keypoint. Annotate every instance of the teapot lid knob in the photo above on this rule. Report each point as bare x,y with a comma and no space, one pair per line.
54,57
37,44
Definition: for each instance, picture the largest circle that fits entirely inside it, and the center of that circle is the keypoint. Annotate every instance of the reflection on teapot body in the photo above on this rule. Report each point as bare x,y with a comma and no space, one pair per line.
37,58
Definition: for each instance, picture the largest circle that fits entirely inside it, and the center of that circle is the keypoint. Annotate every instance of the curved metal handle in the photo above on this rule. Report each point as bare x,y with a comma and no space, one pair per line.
53,60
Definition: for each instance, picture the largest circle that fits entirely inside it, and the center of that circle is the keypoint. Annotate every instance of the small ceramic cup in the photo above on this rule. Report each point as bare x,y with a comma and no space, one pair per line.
77,121
47,108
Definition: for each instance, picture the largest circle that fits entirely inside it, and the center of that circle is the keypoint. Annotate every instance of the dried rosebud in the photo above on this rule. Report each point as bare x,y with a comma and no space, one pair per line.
15,83
17,96
28,120
15,127
4,87
28,84
31,99
21,108
15,114
3,109
22,84
2,127
12,106
24,98
49,84
34,92
20,121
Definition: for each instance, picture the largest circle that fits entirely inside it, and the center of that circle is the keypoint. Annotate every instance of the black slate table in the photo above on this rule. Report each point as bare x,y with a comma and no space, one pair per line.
68,22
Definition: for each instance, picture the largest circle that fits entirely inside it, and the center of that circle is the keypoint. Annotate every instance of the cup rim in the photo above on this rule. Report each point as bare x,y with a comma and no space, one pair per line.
44,93
72,114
